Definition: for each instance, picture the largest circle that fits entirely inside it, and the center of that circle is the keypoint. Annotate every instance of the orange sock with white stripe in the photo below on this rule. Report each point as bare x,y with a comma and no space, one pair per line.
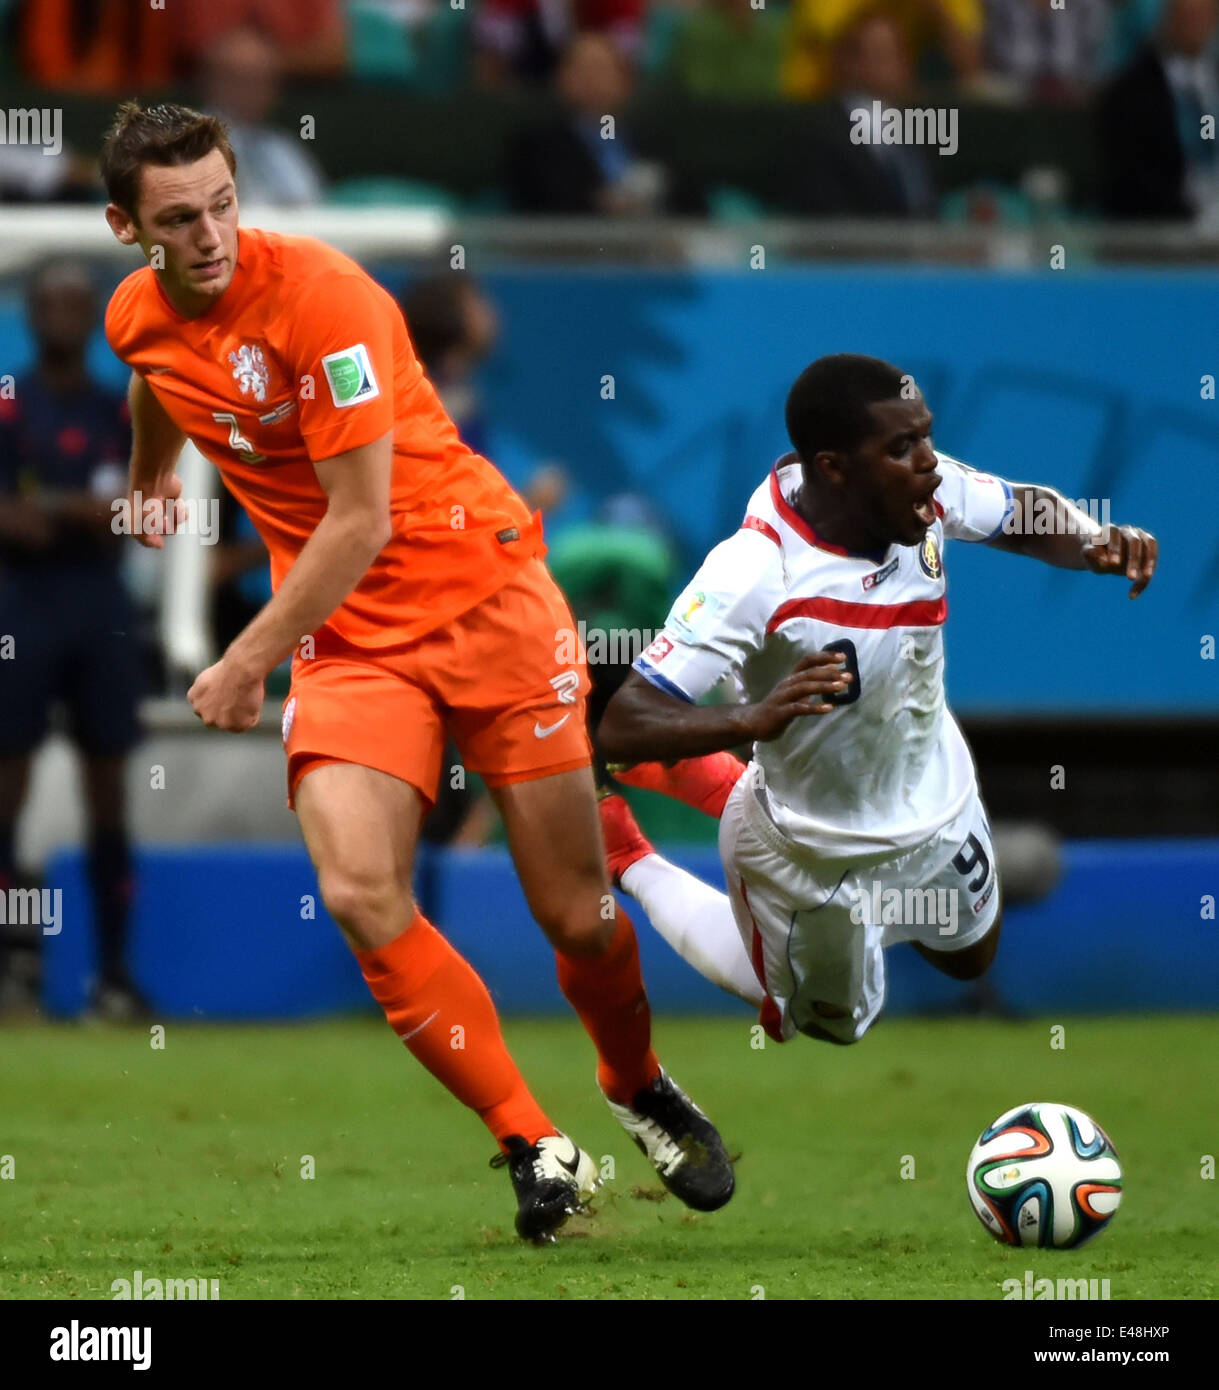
438,1006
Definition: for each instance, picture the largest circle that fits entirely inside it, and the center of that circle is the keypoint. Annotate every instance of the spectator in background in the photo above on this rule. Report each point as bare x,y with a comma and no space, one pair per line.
29,175
848,179
1041,52
943,33
728,49
619,574
239,78
574,163
1156,162
64,446
518,40
524,40
99,47
1131,24
239,573
454,327
308,36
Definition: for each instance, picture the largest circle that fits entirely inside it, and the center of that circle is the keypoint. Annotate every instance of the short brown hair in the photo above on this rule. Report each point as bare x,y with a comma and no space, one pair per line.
165,134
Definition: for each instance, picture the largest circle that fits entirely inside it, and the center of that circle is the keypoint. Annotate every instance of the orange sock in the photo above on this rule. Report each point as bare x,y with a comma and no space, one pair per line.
608,994
704,783
441,1010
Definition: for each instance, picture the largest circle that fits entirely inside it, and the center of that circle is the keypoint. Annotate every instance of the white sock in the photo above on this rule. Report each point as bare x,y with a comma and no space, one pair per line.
697,921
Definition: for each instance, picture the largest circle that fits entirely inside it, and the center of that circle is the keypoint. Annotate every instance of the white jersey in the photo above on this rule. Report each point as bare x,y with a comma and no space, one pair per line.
888,768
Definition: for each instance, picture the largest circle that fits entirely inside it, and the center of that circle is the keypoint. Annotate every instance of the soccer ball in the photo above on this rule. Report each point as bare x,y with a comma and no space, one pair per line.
1045,1175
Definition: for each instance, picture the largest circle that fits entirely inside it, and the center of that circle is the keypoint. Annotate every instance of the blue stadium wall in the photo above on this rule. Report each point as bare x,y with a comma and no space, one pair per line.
1090,381
236,933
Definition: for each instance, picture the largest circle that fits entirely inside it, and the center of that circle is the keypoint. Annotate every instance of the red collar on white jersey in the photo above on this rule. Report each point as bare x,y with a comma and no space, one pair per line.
802,528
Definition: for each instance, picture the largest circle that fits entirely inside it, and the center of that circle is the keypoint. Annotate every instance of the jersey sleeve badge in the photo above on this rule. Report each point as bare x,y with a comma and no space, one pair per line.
350,376
658,650
691,616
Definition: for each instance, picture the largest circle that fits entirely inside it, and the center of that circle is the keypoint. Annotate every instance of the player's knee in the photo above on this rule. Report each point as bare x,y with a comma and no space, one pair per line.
580,935
577,911
971,969
370,907
582,926
976,960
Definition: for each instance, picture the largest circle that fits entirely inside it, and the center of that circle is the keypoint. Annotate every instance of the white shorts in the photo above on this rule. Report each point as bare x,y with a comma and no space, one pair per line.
816,929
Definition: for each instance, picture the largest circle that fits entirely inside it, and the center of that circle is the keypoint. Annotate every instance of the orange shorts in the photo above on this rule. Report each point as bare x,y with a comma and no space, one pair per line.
506,679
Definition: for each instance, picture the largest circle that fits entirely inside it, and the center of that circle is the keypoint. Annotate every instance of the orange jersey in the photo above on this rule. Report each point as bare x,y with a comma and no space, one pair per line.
303,357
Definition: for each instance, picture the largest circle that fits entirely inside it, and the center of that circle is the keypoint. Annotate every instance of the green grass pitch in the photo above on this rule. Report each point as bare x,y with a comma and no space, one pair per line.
186,1162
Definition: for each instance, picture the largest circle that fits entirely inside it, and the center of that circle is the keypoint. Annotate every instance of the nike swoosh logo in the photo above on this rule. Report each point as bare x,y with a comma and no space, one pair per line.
406,1037
572,1164
156,371
540,732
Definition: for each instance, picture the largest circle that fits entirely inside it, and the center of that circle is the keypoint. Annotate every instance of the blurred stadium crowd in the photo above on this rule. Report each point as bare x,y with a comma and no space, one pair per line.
723,107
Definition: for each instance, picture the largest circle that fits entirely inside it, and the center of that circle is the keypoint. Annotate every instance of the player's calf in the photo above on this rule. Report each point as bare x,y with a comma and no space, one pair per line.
968,964
625,843
580,925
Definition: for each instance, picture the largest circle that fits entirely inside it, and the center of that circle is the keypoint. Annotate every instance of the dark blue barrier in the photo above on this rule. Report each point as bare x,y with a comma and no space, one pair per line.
219,933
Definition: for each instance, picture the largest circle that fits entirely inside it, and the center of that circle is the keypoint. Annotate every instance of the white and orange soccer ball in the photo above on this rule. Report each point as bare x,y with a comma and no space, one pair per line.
1046,1175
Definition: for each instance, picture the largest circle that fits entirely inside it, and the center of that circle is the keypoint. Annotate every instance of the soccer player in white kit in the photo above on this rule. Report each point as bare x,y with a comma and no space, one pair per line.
858,824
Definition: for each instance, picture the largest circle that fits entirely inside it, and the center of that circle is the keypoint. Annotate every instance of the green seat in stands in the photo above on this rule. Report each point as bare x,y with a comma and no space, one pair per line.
399,193
662,24
488,202
619,580
380,46
728,204
428,56
442,43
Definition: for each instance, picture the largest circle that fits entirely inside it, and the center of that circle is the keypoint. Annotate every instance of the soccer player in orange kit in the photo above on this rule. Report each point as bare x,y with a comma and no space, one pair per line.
417,574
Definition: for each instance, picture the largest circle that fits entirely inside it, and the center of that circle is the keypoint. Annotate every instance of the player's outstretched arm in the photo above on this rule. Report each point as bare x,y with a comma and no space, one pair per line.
1049,527
644,724
152,483
334,559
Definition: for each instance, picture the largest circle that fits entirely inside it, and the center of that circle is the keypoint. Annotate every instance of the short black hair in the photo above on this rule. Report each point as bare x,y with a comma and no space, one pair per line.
827,408
435,311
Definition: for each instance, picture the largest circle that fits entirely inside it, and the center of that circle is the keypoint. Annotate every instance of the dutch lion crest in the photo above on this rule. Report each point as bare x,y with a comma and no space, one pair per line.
250,371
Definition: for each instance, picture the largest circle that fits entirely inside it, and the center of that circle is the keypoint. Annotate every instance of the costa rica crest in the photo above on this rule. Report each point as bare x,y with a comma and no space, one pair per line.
929,557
